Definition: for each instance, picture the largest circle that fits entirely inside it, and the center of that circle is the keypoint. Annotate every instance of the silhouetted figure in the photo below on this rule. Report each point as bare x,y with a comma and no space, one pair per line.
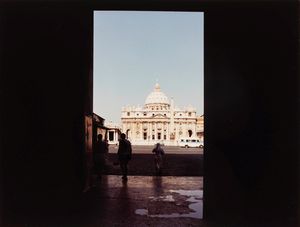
99,155
124,154
158,158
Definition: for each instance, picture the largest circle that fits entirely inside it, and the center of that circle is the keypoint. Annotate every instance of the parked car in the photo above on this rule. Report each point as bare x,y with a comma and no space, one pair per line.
190,142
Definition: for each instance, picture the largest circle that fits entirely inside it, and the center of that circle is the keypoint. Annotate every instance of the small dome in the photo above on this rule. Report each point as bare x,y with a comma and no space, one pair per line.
157,96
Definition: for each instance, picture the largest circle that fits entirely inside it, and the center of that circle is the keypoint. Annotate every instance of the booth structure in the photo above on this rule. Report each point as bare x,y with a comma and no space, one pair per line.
113,133
99,128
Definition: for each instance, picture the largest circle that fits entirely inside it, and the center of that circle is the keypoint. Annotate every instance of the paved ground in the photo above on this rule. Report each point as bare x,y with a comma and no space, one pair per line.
167,149
144,201
177,161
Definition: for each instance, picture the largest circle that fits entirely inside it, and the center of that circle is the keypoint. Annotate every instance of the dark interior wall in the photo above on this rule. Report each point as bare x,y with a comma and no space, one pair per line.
251,110
45,78
251,106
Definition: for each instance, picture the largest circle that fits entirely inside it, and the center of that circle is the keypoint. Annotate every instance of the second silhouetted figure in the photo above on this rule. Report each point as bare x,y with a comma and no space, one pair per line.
124,154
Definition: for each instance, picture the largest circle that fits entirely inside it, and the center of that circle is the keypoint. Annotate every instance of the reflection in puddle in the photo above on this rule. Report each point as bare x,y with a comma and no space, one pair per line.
194,197
141,211
168,198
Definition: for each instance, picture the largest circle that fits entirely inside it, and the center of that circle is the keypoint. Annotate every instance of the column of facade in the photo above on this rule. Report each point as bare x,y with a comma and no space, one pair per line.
176,130
131,131
155,131
194,128
148,131
150,128
168,131
135,130
141,130
185,129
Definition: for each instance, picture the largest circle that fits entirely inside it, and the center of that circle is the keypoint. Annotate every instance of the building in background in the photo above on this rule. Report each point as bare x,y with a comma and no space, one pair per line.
158,121
98,127
200,127
113,133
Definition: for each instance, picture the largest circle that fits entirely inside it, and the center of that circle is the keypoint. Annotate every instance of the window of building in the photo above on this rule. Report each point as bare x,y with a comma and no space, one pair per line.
145,114
145,135
190,114
153,115
128,113
165,114
137,114
153,137
159,136
165,137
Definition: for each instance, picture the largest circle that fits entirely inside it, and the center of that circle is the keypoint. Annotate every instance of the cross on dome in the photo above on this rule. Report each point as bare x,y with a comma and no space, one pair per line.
157,87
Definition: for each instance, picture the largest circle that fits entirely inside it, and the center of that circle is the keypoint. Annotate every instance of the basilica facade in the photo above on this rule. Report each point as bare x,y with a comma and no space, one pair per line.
158,121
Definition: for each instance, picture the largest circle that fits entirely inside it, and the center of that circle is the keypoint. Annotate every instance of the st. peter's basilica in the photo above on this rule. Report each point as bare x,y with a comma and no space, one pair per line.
160,121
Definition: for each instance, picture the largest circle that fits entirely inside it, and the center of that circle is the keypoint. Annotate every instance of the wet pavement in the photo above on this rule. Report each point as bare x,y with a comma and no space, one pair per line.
144,201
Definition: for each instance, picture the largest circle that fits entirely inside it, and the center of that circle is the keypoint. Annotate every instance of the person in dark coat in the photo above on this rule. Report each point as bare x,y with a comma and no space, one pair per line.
99,155
158,158
124,154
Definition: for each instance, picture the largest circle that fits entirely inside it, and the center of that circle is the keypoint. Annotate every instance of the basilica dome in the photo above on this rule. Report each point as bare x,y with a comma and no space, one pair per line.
157,97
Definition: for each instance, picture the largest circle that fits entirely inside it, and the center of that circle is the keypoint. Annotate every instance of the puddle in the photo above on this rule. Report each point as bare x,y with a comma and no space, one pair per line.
141,211
195,193
194,197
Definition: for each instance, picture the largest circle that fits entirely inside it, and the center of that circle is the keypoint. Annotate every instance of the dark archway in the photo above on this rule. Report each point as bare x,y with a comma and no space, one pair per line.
127,133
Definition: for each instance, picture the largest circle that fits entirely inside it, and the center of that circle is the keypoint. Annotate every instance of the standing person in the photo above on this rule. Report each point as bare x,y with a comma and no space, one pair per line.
99,155
158,158
124,154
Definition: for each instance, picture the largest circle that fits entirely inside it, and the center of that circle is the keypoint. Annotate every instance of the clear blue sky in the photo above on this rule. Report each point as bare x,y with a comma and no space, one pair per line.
134,49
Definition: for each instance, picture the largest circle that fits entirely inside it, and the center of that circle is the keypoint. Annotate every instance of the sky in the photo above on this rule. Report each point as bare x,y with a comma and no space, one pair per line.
134,50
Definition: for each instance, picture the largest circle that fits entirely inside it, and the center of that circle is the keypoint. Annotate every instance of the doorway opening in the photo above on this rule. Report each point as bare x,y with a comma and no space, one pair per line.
147,66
